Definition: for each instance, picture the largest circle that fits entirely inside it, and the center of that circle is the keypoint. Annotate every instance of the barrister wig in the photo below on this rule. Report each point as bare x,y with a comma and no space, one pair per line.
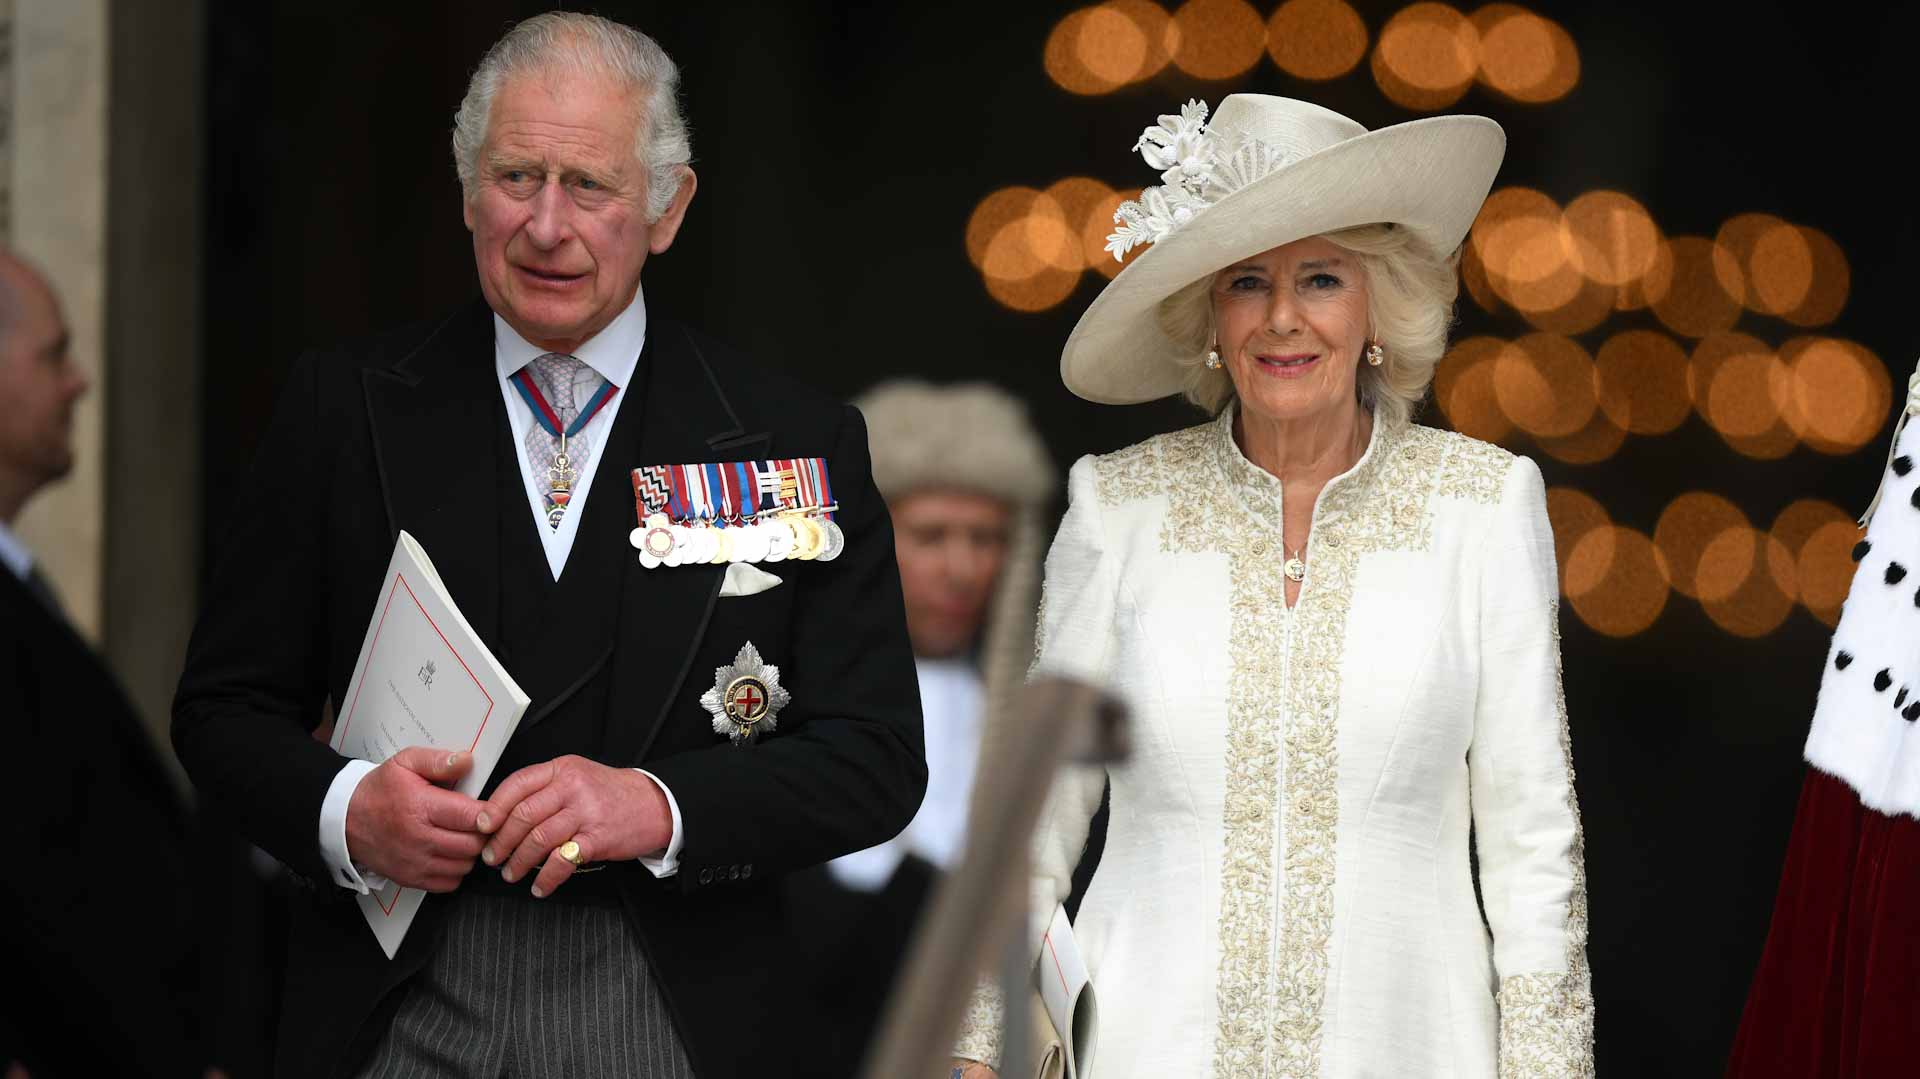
972,437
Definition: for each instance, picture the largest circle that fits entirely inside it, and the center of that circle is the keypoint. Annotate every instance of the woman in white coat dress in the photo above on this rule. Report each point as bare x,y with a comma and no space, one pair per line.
1336,629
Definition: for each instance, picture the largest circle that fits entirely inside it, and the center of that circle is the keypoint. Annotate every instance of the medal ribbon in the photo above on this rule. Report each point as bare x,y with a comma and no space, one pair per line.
717,486
543,413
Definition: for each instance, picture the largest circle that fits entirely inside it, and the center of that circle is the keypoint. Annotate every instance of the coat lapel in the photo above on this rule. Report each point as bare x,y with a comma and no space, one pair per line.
436,417
664,612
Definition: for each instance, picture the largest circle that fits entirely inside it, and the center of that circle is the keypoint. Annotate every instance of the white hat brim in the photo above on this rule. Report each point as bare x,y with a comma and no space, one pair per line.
1429,175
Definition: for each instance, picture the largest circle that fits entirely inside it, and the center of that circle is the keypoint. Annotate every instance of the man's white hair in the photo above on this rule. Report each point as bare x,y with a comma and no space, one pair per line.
567,41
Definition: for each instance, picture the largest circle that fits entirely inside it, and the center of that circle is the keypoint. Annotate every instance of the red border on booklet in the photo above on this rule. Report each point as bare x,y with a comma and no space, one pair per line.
400,581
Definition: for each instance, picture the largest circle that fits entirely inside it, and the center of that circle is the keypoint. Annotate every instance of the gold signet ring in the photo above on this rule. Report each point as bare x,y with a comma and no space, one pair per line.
571,852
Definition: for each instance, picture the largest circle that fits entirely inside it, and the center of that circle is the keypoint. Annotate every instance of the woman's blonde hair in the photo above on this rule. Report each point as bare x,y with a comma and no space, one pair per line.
1410,295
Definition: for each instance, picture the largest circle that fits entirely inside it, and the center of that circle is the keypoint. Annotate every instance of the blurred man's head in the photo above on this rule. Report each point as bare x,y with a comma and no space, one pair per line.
38,386
951,544
964,476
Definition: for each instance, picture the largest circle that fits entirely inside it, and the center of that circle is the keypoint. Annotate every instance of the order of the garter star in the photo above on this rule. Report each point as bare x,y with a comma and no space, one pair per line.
746,697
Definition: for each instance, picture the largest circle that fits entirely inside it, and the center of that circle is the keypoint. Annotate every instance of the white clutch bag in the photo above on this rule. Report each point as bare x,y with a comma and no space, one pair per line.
1065,1020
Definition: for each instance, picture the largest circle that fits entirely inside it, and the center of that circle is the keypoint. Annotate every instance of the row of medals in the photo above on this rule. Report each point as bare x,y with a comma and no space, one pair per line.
777,539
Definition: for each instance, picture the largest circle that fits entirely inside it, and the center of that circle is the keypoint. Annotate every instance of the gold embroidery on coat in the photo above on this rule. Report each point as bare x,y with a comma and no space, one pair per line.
1546,1020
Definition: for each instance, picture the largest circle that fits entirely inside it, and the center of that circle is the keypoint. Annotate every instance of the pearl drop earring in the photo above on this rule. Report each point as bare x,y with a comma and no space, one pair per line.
1213,359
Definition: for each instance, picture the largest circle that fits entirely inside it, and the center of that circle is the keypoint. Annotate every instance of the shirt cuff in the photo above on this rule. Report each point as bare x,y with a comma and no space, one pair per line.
667,862
333,831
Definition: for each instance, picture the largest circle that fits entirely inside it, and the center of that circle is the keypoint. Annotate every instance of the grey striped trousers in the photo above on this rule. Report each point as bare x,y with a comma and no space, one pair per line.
529,988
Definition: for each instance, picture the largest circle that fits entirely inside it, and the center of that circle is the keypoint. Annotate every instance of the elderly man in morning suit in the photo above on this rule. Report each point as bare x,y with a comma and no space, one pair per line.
572,155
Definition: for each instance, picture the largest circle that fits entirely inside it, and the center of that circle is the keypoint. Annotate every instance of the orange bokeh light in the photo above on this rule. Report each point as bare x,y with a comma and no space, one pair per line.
1687,527
1544,384
1775,262
1706,291
1463,388
1426,57
1595,442
1024,247
1629,592
1651,287
1523,56
1574,514
1827,285
1642,382
1824,563
1316,39
1619,243
1764,595
1218,39
1098,49
1744,402
1839,393
1080,199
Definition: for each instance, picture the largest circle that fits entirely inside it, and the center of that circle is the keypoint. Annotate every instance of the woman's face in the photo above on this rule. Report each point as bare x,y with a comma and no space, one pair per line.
1291,324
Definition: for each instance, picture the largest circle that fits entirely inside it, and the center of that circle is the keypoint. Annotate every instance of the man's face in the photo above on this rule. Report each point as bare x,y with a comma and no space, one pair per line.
558,208
951,546
38,385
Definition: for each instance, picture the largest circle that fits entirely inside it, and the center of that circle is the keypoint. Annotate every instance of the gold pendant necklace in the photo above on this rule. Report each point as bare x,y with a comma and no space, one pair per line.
1296,567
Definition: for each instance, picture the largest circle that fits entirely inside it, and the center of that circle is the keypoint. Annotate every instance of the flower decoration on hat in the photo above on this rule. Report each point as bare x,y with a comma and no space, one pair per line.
1194,175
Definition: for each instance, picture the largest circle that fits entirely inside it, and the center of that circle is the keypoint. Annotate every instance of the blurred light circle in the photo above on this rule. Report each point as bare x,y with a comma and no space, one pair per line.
1574,514
1641,379
1686,527
1065,60
1218,39
1825,565
1463,388
1774,258
1840,393
1021,242
1111,46
1706,291
1426,57
1528,58
1725,563
1544,384
1080,199
1316,39
992,215
1595,442
1618,241
1473,274
1765,595
1744,404
1631,590
1827,285
1651,287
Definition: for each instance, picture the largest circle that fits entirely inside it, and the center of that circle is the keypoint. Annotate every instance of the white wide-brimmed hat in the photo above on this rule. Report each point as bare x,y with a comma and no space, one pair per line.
1265,171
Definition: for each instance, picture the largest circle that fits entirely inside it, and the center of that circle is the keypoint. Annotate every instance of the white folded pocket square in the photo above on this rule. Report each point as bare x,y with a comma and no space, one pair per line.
747,580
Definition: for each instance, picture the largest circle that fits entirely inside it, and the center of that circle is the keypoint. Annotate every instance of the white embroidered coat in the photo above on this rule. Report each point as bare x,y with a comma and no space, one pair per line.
1286,888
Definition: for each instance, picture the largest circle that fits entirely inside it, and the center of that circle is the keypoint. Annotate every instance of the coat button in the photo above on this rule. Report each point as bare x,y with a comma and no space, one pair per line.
733,872
706,876
746,870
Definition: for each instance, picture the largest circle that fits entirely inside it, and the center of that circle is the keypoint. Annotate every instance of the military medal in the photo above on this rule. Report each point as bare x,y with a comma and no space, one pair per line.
560,474
836,540
746,697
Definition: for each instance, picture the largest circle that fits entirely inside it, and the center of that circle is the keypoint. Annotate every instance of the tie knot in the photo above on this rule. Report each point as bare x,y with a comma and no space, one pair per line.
557,374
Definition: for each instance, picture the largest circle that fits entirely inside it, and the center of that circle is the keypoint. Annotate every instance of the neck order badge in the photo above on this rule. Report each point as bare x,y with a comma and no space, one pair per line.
561,474
735,511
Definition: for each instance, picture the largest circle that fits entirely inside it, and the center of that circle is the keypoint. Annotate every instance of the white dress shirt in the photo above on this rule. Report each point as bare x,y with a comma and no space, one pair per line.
613,353
952,701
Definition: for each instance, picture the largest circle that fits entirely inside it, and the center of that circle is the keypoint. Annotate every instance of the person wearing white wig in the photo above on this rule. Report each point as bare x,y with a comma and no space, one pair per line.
967,481
1336,631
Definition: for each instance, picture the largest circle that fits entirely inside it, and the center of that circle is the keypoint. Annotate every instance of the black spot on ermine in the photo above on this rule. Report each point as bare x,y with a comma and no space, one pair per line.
1860,550
1896,573
1915,499
1900,698
1902,465
1882,680
1841,661
1912,712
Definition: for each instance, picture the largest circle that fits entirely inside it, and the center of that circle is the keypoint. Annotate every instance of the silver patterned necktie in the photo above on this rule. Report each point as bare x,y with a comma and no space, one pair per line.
566,383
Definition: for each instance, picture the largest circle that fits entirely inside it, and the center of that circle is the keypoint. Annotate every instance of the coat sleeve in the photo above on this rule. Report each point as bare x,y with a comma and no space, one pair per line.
255,672
851,770
1526,817
1078,601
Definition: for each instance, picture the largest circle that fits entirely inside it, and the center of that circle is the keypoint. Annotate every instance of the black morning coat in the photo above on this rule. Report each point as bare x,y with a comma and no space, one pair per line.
410,432
99,952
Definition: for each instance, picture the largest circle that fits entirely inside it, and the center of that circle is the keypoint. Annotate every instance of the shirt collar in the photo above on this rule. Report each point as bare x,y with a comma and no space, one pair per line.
13,553
612,353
